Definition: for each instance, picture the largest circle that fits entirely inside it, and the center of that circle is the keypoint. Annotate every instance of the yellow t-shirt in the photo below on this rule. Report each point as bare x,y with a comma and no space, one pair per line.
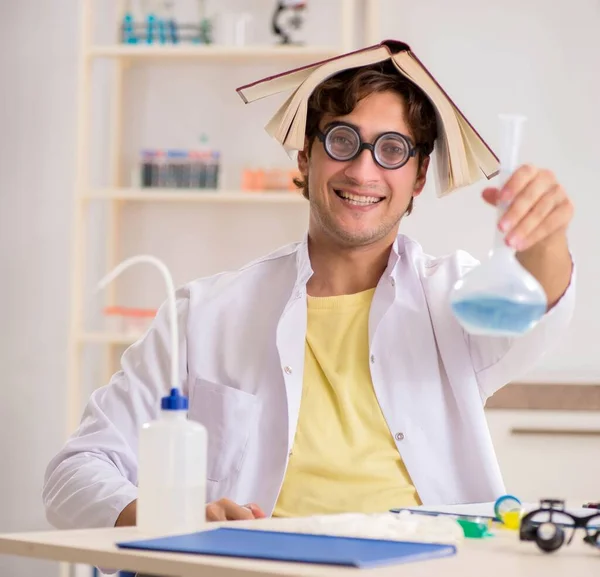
344,458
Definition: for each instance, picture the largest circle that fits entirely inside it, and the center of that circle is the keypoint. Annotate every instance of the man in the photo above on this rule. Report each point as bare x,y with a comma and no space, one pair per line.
331,374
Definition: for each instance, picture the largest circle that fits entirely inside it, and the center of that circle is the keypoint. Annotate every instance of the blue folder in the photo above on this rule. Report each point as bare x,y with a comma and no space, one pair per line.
295,547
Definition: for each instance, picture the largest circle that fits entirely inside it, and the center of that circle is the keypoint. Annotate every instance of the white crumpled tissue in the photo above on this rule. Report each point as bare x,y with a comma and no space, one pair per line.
402,526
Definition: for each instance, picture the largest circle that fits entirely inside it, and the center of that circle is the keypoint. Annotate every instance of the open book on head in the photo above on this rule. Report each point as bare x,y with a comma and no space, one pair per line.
461,156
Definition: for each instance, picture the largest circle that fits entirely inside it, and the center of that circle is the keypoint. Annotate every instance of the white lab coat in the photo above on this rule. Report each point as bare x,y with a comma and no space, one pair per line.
242,345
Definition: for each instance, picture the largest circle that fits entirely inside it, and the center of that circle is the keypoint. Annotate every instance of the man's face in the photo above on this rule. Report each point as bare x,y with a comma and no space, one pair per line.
357,203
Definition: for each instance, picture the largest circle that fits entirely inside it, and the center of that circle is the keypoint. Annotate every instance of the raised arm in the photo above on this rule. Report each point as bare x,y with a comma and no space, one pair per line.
535,225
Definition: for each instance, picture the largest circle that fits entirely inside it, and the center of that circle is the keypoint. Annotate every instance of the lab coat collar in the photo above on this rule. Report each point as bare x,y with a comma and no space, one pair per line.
305,271
395,256
303,266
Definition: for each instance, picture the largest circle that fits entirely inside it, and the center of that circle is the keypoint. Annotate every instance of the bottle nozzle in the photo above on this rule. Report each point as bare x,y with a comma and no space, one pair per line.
170,299
175,401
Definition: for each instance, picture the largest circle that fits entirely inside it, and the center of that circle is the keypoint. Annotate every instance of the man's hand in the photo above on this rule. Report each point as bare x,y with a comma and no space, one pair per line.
539,209
539,212
222,510
226,510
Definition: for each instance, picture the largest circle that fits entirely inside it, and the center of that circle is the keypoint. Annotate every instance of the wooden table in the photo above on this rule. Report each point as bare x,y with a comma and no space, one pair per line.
500,556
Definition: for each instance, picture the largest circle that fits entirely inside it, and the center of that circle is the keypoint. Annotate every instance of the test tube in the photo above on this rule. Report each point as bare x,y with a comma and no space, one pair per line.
147,167
177,163
159,177
212,170
194,169
128,25
183,169
201,162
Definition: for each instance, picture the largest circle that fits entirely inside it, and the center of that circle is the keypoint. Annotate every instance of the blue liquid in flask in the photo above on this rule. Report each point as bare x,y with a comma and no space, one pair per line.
500,297
491,314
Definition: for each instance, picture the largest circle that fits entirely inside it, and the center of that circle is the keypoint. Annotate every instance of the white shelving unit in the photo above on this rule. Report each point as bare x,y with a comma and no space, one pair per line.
118,193
214,53
202,196
108,338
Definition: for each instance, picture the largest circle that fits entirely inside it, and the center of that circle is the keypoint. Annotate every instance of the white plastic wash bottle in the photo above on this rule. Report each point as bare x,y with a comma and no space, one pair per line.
172,449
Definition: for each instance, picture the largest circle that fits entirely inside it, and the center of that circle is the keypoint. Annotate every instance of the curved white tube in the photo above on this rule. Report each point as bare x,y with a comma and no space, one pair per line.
149,259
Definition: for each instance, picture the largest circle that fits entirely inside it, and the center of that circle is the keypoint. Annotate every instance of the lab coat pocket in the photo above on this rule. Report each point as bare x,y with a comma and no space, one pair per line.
228,415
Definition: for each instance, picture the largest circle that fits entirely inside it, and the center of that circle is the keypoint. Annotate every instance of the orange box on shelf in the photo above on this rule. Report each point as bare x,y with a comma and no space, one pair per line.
129,320
273,179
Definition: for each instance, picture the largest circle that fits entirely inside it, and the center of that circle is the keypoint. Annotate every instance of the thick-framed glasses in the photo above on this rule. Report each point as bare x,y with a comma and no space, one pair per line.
550,526
391,150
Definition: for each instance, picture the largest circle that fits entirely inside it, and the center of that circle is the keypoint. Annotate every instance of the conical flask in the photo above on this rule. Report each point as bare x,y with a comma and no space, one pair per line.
499,297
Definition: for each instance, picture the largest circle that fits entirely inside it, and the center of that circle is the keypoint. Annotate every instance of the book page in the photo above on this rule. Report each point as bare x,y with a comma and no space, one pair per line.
318,76
279,125
275,85
457,151
474,168
441,167
486,160
297,133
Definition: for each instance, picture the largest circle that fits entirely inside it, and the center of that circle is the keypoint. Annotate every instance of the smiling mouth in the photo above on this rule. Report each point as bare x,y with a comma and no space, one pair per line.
357,199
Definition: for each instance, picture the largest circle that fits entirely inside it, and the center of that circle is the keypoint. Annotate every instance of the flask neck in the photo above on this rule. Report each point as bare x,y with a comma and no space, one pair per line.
500,246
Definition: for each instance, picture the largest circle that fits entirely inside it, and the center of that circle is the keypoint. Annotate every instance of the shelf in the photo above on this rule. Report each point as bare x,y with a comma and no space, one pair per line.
120,200
215,53
109,338
201,195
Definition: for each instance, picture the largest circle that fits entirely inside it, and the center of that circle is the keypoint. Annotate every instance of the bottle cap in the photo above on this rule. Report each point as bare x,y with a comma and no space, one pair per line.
174,402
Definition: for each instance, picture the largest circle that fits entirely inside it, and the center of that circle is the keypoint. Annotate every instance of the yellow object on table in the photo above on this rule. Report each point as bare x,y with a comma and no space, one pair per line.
512,519
509,510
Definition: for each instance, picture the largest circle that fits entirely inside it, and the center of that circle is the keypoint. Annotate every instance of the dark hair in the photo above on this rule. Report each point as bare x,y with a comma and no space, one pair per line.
340,94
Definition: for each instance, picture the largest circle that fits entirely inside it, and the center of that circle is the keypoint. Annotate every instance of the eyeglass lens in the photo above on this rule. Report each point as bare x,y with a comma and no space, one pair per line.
391,150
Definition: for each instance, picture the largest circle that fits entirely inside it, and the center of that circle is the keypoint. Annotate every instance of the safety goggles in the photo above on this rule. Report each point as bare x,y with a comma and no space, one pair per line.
551,525
391,150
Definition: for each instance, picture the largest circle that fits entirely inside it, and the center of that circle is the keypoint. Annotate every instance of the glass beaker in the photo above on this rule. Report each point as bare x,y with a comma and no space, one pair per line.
499,297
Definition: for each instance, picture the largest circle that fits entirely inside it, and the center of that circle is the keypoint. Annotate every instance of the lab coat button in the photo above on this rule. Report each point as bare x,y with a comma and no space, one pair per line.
392,281
288,370
399,436
372,359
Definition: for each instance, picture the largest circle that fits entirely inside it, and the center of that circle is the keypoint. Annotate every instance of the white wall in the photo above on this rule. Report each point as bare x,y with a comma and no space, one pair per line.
492,56
536,58
38,58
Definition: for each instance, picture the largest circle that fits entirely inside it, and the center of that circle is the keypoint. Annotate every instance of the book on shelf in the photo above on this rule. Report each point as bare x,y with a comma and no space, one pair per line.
461,155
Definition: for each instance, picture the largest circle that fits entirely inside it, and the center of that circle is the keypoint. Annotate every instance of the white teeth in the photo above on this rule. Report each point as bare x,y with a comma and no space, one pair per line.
358,199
